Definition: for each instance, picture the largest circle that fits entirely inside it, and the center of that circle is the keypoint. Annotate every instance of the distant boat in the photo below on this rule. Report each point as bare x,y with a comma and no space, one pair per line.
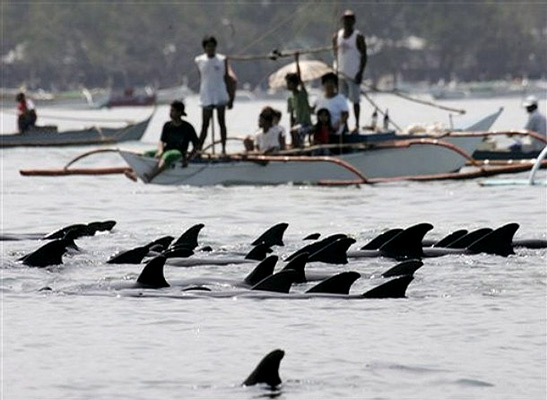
48,136
130,99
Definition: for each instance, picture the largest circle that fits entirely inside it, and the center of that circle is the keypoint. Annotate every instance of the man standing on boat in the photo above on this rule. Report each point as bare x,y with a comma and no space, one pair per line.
216,89
350,54
536,121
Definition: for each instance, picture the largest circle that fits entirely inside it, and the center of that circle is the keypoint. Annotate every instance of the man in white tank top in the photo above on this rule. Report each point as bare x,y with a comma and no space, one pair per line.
213,90
350,54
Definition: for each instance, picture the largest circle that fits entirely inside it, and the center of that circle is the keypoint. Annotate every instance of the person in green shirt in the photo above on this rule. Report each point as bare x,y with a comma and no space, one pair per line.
298,107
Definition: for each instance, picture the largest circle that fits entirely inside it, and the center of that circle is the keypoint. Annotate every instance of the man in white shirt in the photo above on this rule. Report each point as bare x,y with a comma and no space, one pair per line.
213,91
536,121
333,101
350,54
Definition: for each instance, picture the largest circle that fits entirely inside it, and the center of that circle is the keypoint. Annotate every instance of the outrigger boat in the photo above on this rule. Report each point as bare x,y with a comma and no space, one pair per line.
92,135
357,162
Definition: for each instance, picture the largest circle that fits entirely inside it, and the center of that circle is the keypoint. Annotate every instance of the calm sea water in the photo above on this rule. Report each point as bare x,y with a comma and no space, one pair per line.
472,327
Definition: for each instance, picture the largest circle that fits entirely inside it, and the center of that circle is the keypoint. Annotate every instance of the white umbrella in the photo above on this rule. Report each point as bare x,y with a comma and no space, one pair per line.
309,70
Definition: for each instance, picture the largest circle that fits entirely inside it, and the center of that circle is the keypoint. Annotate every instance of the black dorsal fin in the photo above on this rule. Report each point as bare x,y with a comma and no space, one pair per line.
316,246
395,288
133,256
407,267
163,241
471,237
337,284
312,236
334,253
273,236
267,370
408,243
50,253
264,269
450,238
152,274
298,264
60,233
259,252
379,240
190,237
498,242
280,282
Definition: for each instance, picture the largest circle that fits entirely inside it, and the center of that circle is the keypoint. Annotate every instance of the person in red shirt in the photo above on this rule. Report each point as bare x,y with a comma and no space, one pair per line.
26,113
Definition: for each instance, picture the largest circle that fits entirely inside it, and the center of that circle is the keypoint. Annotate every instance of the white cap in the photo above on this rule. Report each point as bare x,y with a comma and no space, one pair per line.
530,101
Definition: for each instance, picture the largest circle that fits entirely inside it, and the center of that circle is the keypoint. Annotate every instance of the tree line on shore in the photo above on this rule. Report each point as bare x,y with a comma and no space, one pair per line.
65,45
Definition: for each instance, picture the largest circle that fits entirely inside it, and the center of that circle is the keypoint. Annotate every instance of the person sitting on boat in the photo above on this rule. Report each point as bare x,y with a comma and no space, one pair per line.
322,131
276,122
26,113
216,90
298,106
337,105
173,144
270,138
536,121
350,54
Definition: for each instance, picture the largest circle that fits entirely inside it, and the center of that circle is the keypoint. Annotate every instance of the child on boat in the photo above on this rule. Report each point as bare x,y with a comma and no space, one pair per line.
298,106
270,138
322,131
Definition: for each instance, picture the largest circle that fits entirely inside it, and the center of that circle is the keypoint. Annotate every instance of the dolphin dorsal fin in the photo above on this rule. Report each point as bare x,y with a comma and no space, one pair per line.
267,370
264,269
498,242
101,226
408,243
273,236
259,252
312,236
280,282
298,264
60,233
337,284
395,288
379,240
450,238
50,253
407,267
316,246
152,274
190,237
133,256
334,253
163,241
468,239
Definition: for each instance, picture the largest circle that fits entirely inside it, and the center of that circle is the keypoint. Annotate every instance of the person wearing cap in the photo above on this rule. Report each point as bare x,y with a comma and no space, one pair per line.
350,54
173,145
536,121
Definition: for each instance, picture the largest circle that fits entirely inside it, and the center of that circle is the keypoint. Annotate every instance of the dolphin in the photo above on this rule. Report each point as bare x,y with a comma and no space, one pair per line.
83,229
273,236
50,253
316,246
312,236
379,240
267,370
259,252
190,237
407,244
